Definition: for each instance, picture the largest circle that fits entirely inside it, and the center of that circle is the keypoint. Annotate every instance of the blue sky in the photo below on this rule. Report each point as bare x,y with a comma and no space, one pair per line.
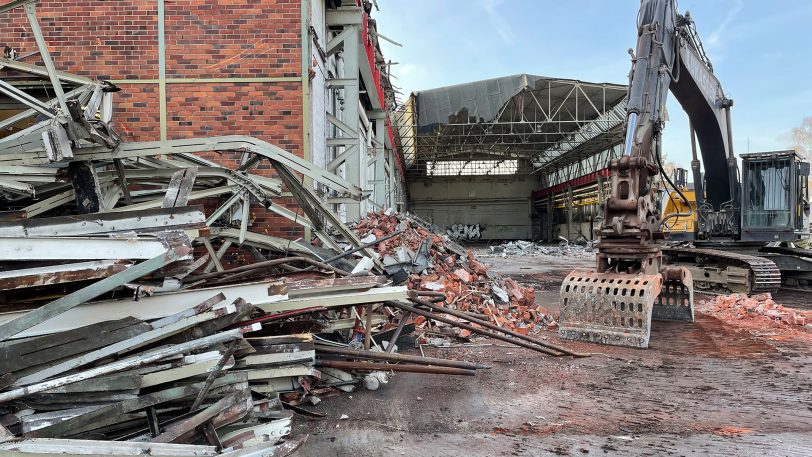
761,51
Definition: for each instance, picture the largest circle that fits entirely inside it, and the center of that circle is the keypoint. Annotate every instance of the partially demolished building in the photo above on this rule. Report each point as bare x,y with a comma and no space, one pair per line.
205,237
308,77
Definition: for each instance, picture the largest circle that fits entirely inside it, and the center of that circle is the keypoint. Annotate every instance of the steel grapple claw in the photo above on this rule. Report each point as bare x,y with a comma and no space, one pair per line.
676,300
608,308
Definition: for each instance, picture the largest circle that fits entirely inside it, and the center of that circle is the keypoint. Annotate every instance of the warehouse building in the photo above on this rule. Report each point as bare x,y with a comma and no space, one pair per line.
515,157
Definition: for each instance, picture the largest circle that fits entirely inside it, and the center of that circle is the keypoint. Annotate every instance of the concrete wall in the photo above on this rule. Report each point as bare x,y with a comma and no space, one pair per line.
499,205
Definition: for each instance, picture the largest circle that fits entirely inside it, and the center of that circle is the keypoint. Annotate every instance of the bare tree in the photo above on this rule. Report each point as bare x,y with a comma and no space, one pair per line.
802,137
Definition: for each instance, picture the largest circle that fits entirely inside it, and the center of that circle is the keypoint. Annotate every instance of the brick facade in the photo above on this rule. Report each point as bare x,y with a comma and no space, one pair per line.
118,40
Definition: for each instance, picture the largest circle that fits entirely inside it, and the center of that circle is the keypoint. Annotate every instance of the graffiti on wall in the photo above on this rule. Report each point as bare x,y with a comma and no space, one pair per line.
466,231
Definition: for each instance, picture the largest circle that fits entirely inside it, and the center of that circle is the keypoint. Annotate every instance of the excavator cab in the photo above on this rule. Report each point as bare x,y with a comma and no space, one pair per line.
775,196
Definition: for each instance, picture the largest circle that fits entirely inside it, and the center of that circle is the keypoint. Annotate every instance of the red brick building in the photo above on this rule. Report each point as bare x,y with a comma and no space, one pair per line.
277,70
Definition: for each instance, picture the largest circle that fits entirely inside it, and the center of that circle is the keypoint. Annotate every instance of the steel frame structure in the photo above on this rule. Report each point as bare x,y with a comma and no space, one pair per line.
554,127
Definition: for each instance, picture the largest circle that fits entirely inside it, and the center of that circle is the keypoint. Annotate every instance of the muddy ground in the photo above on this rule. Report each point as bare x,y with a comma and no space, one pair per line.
707,388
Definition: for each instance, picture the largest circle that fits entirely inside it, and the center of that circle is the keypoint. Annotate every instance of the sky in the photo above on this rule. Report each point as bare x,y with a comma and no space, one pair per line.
761,52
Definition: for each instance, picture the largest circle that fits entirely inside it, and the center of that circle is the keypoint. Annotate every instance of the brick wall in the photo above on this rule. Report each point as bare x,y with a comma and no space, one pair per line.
118,40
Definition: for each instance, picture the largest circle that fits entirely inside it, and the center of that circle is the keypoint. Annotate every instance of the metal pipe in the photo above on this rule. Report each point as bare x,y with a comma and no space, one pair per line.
416,359
359,248
732,164
696,170
491,326
429,293
630,127
267,263
473,329
391,346
368,327
409,368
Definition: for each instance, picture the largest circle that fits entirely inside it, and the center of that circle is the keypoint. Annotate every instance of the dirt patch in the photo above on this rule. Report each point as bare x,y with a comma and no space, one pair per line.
704,387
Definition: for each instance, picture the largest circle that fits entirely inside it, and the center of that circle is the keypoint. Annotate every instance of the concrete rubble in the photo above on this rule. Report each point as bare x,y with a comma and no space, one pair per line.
529,248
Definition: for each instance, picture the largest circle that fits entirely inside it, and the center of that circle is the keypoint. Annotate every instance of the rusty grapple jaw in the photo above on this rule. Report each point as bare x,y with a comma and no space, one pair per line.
617,308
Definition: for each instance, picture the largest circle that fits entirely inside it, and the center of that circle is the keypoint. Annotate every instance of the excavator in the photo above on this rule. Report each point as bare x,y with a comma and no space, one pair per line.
745,222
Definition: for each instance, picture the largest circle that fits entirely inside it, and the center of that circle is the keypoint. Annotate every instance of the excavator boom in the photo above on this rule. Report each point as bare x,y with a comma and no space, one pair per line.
616,304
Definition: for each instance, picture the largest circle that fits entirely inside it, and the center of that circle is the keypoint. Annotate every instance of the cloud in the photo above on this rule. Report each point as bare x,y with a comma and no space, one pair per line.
503,29
715,38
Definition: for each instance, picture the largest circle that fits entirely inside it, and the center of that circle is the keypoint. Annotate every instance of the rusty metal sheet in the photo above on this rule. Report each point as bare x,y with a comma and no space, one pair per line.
59,274
608,308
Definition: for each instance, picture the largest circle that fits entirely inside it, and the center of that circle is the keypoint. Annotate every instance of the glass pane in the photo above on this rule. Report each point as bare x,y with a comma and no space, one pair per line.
768,193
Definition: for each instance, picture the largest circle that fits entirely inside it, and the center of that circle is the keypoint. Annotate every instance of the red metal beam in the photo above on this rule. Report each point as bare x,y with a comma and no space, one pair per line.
576,182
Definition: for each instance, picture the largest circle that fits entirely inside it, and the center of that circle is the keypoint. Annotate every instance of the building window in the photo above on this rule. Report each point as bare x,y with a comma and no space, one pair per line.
471,167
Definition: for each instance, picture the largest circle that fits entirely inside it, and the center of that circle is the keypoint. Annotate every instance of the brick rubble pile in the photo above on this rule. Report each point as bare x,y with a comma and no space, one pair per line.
757,307
466,282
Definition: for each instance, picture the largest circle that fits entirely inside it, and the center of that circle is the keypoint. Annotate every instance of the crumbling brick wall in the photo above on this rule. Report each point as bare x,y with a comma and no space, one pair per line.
118,40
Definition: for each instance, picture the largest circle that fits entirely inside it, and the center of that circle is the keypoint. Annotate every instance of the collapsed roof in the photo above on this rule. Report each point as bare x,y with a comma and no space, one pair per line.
547,122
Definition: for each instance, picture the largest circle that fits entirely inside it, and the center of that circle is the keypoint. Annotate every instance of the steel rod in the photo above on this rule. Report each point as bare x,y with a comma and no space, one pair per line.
473,329
416,359
494,327
391,346
368,327
359,248
268,263
409,368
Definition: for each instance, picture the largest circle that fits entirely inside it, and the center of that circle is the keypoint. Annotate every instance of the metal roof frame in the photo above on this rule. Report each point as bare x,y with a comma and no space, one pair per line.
546,123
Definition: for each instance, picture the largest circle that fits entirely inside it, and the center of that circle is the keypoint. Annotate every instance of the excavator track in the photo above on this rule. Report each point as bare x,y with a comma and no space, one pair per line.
762,274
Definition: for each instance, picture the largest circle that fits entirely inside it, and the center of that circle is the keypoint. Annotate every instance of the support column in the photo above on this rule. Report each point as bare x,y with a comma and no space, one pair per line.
391,194
569,213
550,217
379,196
599,215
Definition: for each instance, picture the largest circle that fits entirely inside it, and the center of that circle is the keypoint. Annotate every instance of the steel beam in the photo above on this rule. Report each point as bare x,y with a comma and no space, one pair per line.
345,16
31,13
52,248
37,70
375,295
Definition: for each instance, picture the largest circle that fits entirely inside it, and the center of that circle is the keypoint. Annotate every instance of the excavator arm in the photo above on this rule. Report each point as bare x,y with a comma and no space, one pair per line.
615,304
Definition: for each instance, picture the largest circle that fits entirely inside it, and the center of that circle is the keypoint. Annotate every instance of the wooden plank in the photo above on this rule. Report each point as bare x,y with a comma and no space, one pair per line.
215,373
56,248
262,374
279,358
142,221
107,414
180,372
375,295
153,307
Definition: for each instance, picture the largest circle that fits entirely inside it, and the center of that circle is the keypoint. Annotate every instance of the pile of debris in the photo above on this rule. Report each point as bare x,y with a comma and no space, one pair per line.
429,261
128,325
529,248
146,307
129,315
760,308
